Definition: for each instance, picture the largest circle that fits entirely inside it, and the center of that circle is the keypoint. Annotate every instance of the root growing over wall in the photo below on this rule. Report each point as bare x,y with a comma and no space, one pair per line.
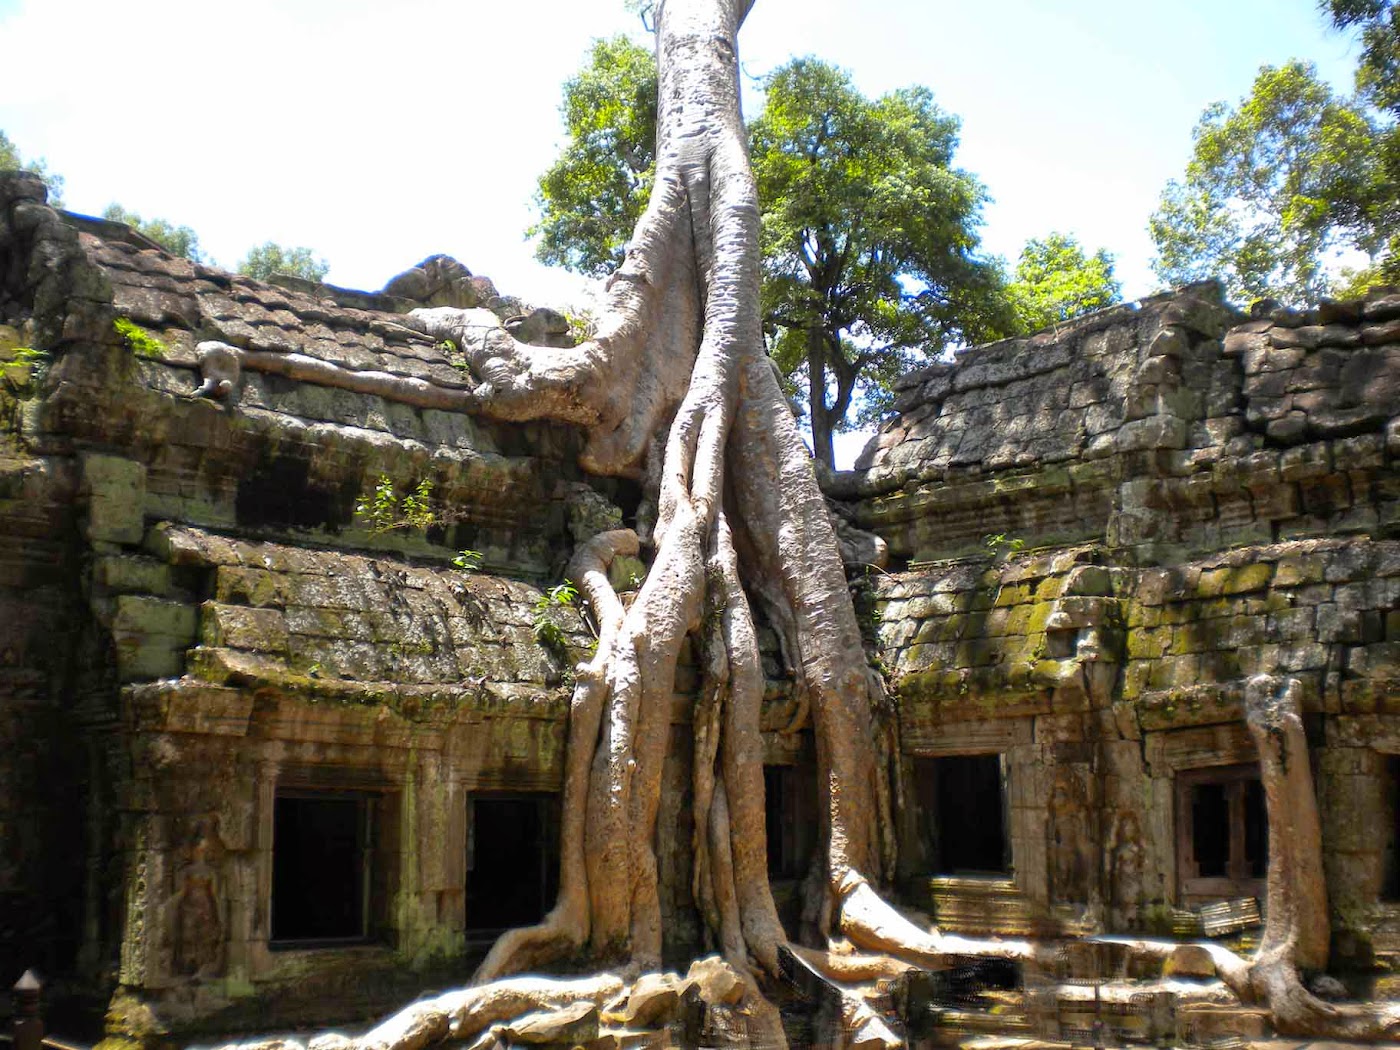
676,390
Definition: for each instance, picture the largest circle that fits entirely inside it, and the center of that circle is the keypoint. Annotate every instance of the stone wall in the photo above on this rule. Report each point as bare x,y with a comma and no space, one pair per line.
1157,427
1098,534
195,620
1101,533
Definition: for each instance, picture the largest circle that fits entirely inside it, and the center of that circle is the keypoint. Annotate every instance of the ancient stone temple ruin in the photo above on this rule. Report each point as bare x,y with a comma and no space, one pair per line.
284,665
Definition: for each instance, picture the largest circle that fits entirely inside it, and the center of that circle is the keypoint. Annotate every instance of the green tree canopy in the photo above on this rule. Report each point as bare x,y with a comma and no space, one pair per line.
1055,281
177,240
1274,188
869,233
869,239
1378,83
1378,75
269,258
12,160
593,195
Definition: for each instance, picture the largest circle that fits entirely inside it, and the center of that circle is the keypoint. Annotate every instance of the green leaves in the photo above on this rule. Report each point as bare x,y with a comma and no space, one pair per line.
468,560
546,627
384,509
1378,74
593,195
269,258
139,341
12,160
869,239
869,234
1273,190
177,240
1055,281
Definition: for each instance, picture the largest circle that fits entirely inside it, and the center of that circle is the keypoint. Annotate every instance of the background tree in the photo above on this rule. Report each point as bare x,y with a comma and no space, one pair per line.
1055,281
1273,190
869,239
1378,75
592,196
269,258
869,233
1378,83
177,240
12,160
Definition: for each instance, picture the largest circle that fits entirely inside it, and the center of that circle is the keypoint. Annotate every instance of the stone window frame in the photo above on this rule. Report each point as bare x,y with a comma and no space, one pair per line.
1170,753
1379,734
1012,738
1388,893
1234,884
331,779
369,817
550,827
1008,869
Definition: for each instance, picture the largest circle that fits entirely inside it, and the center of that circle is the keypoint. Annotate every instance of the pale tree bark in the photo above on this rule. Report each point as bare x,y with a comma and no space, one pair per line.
676,389
1296,927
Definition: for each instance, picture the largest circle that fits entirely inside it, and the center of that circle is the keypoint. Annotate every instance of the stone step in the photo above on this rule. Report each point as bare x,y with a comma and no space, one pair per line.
982,907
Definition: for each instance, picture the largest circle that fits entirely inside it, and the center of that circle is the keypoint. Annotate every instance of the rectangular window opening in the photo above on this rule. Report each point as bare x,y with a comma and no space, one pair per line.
512,860
1222,833
962,802
322,867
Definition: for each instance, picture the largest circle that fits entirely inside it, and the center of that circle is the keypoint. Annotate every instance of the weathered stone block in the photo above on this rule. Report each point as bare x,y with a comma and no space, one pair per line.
116,493
1363,452
1174,672
1152,433
141,657
1314,336
240,627
131,574
139,615
1089,580
1214,582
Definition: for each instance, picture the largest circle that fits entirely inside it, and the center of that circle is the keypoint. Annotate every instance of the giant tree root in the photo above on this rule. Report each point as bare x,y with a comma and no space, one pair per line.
676,390
1296,925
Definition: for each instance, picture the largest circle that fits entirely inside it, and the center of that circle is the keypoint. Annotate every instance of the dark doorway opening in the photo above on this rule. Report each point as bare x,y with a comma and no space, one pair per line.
1390,887
788,820
512,860
962,802
322,847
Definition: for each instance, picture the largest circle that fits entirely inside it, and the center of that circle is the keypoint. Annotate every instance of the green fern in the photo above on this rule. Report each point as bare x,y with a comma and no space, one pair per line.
141,342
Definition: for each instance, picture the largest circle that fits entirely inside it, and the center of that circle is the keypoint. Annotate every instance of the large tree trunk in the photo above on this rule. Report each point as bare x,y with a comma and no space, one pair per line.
676,389
821,416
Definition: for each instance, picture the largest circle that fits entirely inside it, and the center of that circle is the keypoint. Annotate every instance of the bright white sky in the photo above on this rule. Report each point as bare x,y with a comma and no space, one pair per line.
378,133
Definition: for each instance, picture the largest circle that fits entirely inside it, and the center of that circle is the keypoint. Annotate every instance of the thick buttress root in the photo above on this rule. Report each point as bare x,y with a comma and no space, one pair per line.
676,389
1296,925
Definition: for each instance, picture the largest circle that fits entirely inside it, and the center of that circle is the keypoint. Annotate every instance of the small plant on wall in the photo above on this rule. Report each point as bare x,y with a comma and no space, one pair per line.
468,560
139,341
1004,546
384,510
548,632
